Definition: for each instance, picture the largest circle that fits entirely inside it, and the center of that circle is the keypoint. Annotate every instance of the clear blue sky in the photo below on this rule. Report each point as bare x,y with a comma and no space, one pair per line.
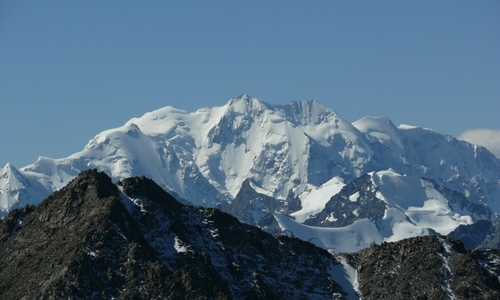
71,69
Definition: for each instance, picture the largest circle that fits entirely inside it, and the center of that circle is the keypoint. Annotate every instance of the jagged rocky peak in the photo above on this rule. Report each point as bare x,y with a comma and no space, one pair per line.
356,201
93,239
145,188
88,192
84,245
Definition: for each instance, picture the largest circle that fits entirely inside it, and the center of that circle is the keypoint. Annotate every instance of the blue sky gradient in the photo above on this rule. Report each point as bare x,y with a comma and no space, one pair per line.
70,69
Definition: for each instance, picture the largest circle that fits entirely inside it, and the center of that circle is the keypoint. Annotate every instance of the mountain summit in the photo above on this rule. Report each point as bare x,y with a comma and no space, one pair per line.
299,156
205,156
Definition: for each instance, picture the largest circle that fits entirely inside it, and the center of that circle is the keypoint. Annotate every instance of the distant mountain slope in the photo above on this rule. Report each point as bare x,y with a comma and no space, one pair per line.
205,156
381,207
96,240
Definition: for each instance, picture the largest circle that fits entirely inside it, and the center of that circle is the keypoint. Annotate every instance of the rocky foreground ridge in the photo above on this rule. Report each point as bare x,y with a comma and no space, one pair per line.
97,240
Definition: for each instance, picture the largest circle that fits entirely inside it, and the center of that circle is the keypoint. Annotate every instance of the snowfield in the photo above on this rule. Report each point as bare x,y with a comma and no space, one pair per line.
413,208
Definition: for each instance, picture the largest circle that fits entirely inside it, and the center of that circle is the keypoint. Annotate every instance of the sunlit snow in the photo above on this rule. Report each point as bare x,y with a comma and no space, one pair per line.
413,208
178,246
359,235
313,199
354,197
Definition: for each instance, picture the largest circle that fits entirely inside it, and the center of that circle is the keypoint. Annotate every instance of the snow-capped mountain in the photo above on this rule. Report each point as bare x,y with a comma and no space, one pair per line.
382,207
18,189
302,149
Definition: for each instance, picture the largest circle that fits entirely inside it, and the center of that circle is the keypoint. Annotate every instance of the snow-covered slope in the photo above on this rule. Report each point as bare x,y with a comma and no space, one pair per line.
466,168
15,185
359,235
383,206
205,156
313,199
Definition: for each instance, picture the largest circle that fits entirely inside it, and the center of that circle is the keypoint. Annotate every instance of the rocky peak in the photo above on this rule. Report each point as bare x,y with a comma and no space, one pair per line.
79,243
145,188
90,240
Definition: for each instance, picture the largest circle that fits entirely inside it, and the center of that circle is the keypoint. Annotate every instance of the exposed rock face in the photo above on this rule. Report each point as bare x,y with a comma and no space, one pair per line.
255,208
367,205
90,241
250,206
80,242
426,267
492,241
11,223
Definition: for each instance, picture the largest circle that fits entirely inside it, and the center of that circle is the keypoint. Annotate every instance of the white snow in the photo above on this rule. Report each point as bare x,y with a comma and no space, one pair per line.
347,277
382,130
354,197
419,203
314,199
130,203
407,127
414,207
446,285
359,235
18,189
90,252
260,190
331,217
178,246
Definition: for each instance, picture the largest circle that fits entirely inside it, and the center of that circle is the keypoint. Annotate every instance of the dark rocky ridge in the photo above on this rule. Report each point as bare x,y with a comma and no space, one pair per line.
427,267
80,243
88,241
